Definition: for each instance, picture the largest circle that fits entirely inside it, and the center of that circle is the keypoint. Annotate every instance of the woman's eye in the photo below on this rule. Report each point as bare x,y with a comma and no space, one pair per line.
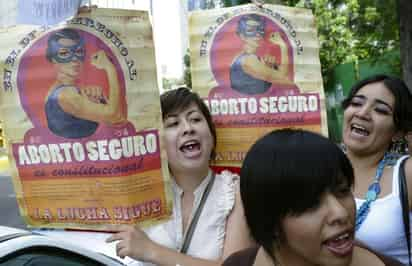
63,52
343,191
355,103
196,119
171,124
384,111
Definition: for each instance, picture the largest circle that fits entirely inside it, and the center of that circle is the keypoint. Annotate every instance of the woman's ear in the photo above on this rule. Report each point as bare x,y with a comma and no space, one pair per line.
408,139
398,142
399,136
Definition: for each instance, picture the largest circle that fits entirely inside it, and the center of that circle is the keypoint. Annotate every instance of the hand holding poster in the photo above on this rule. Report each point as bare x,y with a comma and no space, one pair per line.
258,69
82,116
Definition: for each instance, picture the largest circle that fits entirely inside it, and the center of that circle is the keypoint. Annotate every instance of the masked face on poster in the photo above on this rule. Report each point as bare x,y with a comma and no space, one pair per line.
81,84
68,55
75,140
259,58
257,69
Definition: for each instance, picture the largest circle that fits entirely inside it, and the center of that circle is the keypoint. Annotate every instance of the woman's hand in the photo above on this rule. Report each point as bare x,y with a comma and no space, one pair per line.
133,242
93,93
276,39
101,61
269,61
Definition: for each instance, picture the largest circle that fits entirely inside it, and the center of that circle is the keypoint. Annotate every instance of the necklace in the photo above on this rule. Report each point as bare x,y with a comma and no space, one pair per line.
374,189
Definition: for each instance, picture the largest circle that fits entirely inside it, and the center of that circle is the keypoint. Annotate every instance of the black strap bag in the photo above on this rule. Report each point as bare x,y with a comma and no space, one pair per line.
403,195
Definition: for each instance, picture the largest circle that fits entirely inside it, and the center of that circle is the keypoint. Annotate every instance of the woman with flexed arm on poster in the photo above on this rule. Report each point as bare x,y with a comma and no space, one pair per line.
74,112
376,116
251,74
220,229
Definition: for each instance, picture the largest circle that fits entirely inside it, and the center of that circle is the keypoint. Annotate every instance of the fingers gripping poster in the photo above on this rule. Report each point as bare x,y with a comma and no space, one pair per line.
258,69
81,113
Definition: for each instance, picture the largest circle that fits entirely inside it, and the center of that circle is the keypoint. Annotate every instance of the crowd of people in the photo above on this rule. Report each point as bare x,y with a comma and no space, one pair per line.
300,200
219,229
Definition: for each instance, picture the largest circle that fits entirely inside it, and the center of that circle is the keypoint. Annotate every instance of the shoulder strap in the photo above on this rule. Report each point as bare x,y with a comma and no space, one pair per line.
403,195
195,219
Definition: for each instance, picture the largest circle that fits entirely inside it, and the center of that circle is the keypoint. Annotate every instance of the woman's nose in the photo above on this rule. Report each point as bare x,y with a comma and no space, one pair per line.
364,112
187,127
337,213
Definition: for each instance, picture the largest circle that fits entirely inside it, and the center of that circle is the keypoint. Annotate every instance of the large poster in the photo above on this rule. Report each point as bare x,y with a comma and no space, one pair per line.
81,113
258,69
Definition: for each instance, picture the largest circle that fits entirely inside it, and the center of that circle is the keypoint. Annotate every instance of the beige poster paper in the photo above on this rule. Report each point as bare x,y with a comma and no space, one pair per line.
258,69
81,113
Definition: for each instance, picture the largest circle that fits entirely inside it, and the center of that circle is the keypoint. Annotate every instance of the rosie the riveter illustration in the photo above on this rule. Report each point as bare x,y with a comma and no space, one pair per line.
75,111
253,74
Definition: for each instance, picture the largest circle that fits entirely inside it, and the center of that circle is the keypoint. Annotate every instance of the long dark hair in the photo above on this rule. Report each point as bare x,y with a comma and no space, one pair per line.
402,114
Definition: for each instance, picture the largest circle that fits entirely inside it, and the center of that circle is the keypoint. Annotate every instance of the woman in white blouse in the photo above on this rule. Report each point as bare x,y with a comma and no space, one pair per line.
190,139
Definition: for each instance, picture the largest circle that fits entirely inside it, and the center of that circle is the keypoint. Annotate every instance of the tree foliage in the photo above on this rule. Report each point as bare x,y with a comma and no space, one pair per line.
352,30
187,79
405,28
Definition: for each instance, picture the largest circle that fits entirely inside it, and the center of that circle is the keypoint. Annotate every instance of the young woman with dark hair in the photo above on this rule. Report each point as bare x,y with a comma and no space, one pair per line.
190,139
250,74
377,115
75,112
296,188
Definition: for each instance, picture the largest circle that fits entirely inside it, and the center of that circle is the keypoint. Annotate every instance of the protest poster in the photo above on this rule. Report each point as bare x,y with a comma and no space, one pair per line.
81,112
258,69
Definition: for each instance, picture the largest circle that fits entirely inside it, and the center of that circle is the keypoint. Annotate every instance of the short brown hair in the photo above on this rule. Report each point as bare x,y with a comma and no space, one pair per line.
178,99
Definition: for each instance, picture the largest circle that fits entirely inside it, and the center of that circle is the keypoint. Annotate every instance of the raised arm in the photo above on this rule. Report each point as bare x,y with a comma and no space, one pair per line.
237,233
260,68
83,106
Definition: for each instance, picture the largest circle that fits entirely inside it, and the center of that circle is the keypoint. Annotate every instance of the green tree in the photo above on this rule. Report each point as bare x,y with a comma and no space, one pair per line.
405,21
228,3
352,30
187,78
170,83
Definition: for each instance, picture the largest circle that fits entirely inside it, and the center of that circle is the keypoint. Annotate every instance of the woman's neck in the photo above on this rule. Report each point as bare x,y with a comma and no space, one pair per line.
282,259
362,162
249,49
65,79
188,181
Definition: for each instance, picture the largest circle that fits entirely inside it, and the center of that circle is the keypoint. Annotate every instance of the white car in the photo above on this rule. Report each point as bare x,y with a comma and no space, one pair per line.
21,247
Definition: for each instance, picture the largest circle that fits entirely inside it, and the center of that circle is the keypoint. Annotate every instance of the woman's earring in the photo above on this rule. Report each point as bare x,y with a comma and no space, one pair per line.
399,146
343,147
